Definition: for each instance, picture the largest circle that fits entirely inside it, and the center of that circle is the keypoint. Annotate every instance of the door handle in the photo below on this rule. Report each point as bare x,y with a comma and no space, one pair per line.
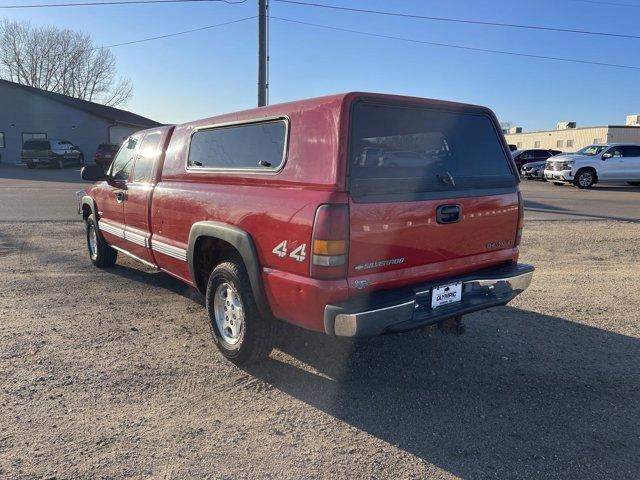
448,214
119,197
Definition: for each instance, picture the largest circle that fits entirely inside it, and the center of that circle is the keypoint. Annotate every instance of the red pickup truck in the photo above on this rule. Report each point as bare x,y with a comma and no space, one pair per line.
356,214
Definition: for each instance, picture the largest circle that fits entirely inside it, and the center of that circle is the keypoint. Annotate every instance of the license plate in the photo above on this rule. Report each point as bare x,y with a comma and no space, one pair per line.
446,294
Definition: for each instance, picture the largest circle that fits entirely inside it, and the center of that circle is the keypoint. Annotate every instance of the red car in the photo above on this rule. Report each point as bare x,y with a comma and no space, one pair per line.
282,213
105,154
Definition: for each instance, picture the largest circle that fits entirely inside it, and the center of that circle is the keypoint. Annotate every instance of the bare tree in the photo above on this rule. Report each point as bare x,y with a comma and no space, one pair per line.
62,61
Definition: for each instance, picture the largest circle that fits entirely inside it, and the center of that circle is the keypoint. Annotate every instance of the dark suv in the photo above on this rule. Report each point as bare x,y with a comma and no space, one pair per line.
54,153
105,154
522,157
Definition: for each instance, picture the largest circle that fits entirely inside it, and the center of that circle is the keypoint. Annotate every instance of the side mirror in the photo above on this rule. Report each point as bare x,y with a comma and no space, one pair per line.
606,155
92,173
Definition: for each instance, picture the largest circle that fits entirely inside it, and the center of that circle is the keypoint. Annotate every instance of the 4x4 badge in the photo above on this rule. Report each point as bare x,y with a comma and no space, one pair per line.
298,254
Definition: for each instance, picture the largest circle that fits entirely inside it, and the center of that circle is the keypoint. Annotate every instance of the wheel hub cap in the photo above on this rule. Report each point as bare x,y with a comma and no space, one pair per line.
93,240
585,179
229,313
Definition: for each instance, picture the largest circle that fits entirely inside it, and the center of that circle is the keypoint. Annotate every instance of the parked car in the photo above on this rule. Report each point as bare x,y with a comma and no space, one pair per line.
614,162
105,154
272,214
533,170
522,157
54,152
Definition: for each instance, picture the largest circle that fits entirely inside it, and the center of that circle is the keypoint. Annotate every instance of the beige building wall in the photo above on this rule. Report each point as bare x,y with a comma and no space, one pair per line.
568,140
618,134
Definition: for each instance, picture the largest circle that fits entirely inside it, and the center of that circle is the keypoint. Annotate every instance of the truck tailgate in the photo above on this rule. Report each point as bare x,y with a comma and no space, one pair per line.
403,235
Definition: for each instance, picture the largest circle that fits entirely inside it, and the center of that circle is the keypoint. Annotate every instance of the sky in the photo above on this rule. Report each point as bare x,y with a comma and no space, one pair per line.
214,71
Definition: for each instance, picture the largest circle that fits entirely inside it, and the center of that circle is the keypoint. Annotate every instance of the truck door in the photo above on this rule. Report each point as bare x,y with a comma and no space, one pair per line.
629,164
633,172
110,200
139,190
612,165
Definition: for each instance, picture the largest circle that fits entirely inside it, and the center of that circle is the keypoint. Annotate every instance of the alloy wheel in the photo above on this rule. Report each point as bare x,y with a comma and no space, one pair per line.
229,313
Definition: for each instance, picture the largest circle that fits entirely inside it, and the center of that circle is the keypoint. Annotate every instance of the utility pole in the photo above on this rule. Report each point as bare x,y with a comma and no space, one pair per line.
263,57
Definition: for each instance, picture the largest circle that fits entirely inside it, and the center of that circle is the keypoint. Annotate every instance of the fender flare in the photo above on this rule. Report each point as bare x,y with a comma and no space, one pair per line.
243,243
87,200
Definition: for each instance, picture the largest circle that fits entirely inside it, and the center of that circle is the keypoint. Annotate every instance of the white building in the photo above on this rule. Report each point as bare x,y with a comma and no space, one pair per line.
568,138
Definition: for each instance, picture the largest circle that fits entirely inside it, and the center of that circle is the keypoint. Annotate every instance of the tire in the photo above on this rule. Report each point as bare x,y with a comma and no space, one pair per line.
30,166
634,184
101,255
558,183
584,179
238,330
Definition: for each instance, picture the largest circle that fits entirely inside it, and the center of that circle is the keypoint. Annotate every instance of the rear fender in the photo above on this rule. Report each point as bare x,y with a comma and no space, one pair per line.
243,243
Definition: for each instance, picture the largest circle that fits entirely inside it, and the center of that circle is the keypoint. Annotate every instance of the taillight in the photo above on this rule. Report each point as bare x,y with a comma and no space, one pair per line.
329,242
520,219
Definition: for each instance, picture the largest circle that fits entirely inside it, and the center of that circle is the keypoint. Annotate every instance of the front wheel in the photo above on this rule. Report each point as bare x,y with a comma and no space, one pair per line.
101,254
240,333
584,179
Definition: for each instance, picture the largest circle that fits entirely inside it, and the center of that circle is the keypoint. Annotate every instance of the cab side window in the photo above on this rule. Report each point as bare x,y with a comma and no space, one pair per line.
616,152
146,158
528,155
630,151
121,166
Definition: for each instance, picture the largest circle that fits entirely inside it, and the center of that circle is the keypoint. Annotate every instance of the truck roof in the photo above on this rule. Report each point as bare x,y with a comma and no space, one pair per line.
333,101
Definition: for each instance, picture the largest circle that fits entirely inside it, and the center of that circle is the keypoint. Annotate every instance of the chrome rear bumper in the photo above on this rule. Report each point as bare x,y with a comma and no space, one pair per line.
407,309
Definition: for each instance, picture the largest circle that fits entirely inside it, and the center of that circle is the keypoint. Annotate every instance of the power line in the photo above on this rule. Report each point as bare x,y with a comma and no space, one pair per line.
610,4
124,2
459,47
175,34
459,20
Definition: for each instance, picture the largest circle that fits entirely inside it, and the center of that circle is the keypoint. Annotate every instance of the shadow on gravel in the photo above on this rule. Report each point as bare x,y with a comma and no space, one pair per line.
156,279
522,395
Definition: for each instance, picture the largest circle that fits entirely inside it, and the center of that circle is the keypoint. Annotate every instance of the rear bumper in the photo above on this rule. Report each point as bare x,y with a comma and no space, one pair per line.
407,309
38,161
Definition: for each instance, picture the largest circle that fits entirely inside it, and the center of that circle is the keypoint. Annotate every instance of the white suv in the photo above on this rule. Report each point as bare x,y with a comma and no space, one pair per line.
614,162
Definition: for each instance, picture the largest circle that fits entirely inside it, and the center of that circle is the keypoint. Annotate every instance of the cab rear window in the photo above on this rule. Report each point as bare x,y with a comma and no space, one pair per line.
420,153
36,145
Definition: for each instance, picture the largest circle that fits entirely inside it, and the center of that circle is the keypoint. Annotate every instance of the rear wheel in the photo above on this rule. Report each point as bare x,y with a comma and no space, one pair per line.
101,254
30,165
240,333
584,179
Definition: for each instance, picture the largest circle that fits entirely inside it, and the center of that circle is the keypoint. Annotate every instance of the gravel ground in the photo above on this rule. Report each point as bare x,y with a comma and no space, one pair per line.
111,374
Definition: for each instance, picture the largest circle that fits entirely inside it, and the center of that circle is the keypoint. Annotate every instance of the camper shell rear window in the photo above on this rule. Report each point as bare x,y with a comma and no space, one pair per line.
403,153
37,145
